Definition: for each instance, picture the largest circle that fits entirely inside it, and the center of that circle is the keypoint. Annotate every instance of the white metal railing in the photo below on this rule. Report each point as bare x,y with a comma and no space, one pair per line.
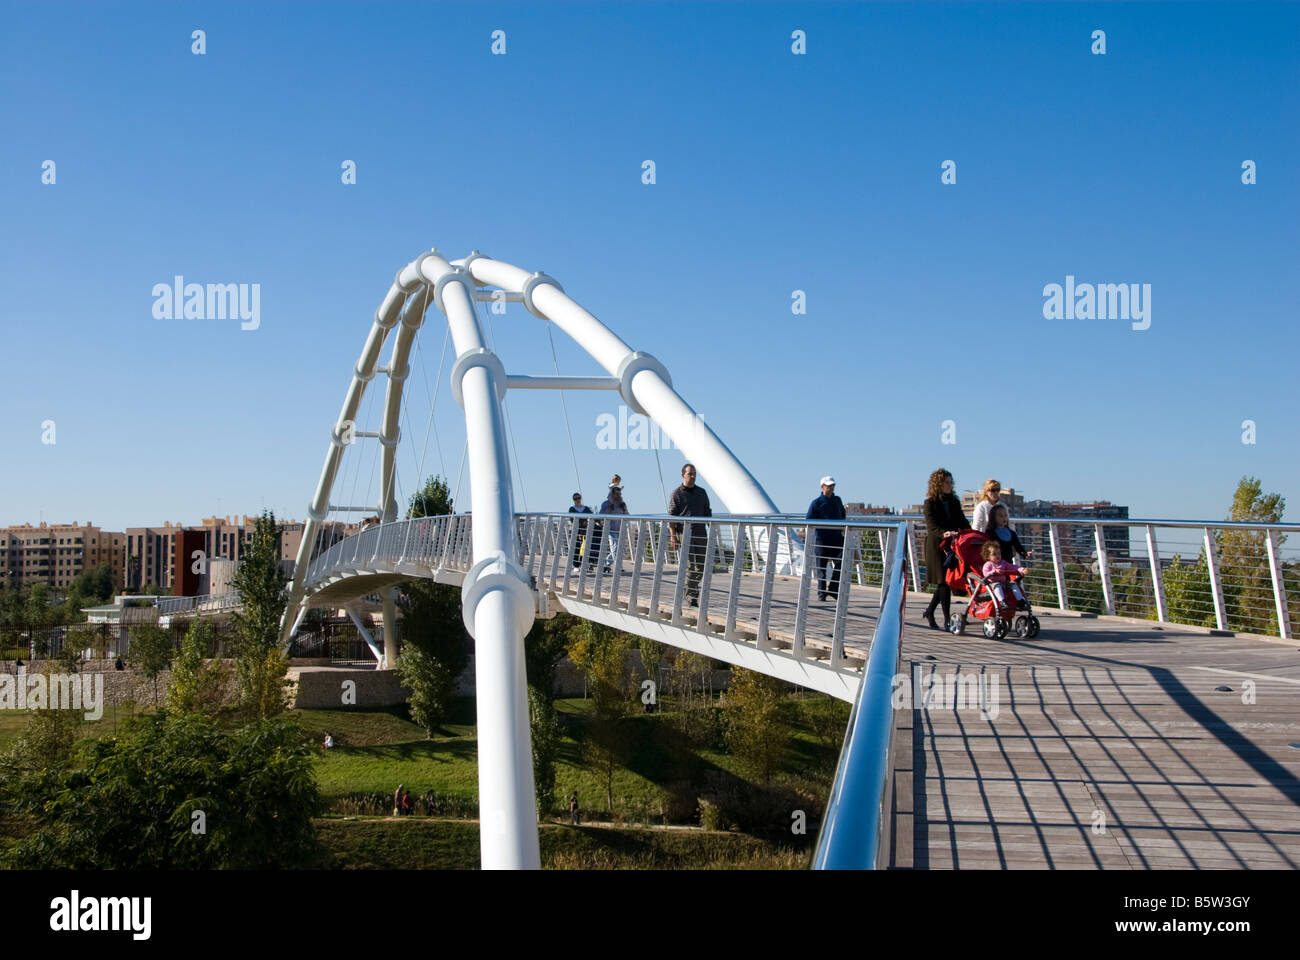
730,567
170,606
1229,576
1225,575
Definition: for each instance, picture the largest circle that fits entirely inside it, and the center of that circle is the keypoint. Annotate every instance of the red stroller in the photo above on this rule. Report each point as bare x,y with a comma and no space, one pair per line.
1000,617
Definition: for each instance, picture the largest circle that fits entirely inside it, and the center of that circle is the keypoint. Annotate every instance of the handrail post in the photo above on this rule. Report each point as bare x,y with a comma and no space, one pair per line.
706,576
656,581
911,557
765,598
1103,568
1279,587
638,558
1157,582
737,570
1058,568
1216,585
848,556
801,608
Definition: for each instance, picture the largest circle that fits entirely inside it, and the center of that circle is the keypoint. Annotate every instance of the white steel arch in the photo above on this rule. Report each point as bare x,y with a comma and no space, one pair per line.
497,595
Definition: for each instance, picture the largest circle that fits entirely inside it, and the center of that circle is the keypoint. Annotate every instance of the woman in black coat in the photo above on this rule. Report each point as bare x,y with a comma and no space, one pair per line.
942,513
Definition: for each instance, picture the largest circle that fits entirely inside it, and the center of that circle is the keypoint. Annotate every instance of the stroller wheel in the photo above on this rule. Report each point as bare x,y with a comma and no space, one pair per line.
993,628
1020,626
956,625
1032,627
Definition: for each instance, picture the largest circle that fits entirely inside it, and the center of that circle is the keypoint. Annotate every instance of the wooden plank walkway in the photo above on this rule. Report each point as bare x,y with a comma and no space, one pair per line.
1107,743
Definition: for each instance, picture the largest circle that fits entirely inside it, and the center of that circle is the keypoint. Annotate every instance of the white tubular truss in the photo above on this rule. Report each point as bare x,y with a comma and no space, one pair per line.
497,608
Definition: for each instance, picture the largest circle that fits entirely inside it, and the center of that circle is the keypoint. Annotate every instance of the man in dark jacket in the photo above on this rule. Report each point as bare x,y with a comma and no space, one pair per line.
688,500
827,544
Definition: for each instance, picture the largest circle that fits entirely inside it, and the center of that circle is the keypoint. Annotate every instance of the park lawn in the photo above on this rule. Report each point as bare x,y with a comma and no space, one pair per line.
380,749
14,722
416,843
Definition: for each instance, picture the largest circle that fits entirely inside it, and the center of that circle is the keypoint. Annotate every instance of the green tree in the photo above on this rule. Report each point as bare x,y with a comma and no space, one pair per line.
544,647
1188,594
436,645
197,684
601,652
432,686
433,501
1243,559
37,614
651,658
544,731
261,665
173,791
754,730
151,647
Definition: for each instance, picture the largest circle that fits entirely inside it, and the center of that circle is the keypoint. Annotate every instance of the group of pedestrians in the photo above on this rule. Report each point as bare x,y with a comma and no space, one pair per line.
688,500
942,511
587,544
943,514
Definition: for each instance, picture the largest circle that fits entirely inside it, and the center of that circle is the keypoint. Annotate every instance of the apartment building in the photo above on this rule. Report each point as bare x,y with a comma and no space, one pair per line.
55,553
1079,541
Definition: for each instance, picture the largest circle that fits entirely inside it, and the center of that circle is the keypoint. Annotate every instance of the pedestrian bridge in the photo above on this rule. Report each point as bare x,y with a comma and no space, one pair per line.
1105,742
1100,721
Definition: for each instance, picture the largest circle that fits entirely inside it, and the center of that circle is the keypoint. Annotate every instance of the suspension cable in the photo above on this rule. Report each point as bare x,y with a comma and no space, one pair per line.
563,406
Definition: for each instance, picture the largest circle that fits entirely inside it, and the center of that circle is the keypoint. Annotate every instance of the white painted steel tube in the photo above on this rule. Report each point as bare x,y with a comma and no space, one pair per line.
507,810
507,804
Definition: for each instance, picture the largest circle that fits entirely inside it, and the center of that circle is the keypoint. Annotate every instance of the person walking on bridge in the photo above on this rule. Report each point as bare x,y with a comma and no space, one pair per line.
688,500
614,504
942,513
983,517
826,545
579,528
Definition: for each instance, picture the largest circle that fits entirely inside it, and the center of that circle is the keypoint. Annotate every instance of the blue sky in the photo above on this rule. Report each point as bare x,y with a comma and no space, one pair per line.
775,172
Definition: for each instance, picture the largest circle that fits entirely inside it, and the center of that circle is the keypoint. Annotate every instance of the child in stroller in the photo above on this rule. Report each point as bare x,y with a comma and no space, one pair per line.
997,597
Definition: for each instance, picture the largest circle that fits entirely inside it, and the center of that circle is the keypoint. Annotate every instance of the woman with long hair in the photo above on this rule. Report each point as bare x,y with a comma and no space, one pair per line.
989,494
942,514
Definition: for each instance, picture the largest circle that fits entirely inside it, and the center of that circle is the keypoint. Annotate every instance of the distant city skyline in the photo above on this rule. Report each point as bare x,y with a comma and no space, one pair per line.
957,199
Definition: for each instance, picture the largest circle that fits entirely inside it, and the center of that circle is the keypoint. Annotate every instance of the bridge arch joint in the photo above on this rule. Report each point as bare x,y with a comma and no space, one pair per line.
633,364
479,357
497,571
535,280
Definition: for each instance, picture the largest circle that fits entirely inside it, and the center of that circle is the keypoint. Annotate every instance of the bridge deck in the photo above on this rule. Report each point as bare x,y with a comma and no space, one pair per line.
1109,745
1112,749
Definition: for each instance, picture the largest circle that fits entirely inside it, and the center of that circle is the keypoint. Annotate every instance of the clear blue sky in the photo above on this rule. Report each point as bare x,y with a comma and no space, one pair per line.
775,172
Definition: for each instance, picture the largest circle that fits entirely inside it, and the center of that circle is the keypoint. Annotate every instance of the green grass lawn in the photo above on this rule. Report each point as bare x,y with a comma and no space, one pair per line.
13,722
659,780
426,844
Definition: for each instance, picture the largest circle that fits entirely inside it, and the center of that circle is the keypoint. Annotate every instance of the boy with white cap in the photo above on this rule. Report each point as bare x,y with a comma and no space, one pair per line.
827,543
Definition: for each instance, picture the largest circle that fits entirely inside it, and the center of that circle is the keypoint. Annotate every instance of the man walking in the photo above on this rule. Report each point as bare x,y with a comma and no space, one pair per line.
827,544
688,500
580,528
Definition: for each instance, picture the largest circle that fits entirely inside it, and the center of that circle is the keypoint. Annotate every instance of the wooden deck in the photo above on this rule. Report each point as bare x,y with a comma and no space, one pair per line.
1108,743
1113,748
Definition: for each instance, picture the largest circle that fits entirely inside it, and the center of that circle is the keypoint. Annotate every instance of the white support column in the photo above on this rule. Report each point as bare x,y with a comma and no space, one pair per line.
389,659
1058,568
1157,582
1216,585
1279,587
497,599
1103,569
